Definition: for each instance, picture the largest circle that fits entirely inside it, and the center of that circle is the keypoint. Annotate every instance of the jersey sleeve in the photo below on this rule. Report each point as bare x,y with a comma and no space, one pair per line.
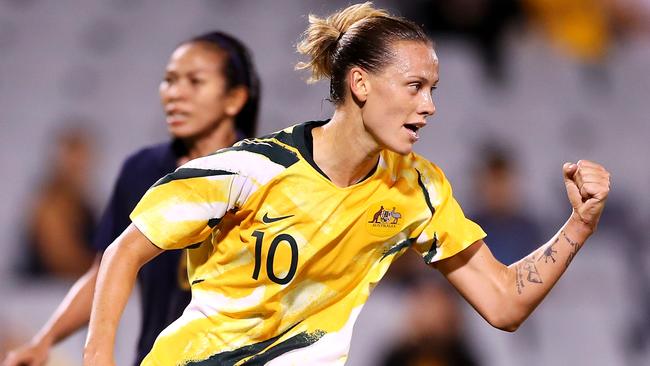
181,209
448,231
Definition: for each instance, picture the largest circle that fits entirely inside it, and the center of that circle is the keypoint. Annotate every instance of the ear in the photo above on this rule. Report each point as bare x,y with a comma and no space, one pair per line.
235,100
359,84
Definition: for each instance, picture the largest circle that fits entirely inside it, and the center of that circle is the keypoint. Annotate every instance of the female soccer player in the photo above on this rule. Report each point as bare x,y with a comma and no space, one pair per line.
289,233
210,94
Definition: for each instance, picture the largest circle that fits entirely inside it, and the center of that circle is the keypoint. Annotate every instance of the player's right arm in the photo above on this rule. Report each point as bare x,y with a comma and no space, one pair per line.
117,275
71,315
175,213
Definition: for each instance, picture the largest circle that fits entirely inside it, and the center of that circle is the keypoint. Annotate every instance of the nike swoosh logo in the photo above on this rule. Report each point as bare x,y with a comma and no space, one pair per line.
267,220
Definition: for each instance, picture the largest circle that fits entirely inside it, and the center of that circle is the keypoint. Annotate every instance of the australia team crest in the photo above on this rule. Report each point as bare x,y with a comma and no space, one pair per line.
384,218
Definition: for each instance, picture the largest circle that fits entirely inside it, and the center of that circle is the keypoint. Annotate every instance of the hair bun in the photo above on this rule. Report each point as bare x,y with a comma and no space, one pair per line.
322,36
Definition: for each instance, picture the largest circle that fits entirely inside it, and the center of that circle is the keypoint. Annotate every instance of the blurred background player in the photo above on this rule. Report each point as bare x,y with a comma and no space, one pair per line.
432,333
513,233
61,220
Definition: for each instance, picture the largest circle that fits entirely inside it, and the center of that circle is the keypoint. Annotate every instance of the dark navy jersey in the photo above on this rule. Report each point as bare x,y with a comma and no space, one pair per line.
162,297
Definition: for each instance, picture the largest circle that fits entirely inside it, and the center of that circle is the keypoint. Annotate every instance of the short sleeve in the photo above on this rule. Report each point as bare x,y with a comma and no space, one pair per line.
448,232
181,209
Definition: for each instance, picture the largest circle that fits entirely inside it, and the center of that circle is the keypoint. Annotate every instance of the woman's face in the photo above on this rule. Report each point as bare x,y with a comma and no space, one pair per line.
193,92
399,97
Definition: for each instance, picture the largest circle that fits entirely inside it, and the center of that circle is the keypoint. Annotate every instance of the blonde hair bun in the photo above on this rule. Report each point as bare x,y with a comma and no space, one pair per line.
321,37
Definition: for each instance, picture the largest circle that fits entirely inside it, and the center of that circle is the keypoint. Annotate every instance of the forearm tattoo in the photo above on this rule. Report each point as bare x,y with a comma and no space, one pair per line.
526,268
575,246
518,281
548,252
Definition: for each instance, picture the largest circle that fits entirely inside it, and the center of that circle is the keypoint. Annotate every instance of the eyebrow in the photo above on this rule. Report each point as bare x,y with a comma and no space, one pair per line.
190,73
424,79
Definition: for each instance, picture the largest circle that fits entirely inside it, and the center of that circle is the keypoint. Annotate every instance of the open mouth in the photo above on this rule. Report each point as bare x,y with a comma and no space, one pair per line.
176,117
413,129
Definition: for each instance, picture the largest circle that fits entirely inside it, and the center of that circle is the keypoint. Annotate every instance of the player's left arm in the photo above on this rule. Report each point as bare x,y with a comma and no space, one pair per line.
506,295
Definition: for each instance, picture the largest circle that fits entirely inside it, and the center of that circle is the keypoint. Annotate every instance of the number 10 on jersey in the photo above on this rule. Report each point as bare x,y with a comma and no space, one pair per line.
270,257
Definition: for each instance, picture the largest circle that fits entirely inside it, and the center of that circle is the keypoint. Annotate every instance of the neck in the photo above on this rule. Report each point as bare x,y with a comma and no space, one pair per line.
344,150
224,135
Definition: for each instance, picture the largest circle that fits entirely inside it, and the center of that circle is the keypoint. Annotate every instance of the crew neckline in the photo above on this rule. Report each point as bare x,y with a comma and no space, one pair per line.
304,140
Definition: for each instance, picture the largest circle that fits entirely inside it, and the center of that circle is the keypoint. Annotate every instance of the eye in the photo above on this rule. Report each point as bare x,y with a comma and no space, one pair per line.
196,81
416,86
168,79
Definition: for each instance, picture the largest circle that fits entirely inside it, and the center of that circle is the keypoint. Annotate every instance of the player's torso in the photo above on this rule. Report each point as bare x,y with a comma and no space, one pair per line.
297,261
301,234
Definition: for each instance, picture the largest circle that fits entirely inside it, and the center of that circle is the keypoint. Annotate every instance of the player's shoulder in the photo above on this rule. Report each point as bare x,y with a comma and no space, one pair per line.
285,138
280,148
261,157
414,162
276,148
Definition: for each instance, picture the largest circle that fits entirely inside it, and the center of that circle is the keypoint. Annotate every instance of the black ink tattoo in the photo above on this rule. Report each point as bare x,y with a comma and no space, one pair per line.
532,274
518,280
548,252
575,246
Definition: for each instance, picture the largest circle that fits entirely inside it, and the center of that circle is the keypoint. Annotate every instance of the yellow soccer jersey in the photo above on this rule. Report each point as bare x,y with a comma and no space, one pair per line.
280,259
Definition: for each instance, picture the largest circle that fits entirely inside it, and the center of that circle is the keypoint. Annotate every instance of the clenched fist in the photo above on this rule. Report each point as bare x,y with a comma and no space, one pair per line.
587,185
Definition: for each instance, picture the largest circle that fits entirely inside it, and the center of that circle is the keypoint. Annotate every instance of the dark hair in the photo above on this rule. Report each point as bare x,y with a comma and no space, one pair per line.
239,70
359,35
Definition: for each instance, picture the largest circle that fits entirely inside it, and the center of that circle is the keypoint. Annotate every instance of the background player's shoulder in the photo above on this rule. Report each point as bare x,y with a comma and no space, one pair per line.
149,154
153,160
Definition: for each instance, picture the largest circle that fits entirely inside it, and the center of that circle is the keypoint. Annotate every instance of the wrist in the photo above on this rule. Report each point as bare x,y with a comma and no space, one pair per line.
579,228
95,356
43,341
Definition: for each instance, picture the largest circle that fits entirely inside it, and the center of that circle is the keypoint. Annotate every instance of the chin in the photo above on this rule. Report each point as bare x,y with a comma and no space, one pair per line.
181,133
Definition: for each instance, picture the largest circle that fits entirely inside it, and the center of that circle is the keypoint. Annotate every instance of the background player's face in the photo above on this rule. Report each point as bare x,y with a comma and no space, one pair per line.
194,91
400,98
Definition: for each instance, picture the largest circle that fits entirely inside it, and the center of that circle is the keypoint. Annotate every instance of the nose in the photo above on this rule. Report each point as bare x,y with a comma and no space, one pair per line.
172,91
427,107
